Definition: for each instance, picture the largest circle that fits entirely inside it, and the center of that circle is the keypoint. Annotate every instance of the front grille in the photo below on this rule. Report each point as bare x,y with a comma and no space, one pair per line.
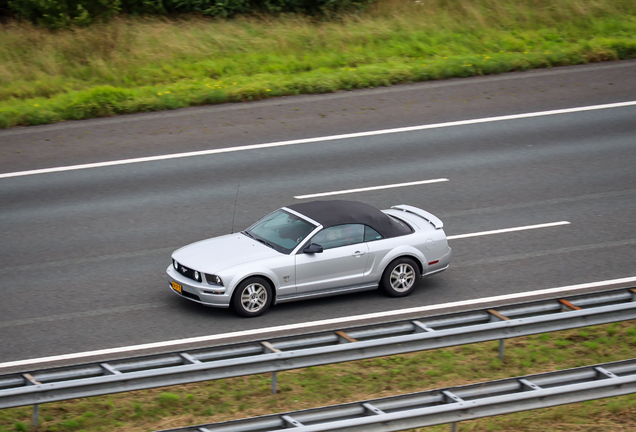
187,272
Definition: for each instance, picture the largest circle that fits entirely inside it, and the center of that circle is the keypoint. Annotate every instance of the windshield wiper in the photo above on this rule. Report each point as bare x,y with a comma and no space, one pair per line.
265,243
257,239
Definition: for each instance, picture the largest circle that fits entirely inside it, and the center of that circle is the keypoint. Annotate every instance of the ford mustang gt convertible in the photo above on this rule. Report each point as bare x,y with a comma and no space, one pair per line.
310,250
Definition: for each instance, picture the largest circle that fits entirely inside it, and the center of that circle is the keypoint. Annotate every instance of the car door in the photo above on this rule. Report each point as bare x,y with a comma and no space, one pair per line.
341,264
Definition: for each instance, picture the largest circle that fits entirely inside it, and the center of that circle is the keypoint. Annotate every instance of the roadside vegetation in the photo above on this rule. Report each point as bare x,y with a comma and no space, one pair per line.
146,63
249,396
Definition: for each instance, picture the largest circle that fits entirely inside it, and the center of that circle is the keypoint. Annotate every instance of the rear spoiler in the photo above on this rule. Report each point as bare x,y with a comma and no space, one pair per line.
434,220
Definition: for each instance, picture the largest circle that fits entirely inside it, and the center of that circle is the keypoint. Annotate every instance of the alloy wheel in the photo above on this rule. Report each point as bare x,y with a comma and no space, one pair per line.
402,277
254,297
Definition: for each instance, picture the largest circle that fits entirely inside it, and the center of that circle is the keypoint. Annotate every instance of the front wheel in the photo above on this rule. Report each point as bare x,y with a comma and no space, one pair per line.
400,277
252,297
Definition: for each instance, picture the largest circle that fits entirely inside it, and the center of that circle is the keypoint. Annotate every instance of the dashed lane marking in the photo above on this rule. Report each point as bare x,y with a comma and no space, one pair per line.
371,188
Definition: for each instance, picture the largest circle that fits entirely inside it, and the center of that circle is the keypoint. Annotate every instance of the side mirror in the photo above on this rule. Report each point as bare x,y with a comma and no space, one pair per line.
312,248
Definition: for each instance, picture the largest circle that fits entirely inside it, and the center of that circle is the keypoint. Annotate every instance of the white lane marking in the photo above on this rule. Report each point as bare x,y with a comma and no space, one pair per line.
370,188
506,230
318,139
314,324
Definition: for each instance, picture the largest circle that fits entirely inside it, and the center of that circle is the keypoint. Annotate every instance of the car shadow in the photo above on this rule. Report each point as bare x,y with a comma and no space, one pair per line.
320,308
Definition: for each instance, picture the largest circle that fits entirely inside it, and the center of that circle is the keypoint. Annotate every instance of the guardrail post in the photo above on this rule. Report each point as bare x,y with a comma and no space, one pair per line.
496,316
36,415
269,348
28,378
454,427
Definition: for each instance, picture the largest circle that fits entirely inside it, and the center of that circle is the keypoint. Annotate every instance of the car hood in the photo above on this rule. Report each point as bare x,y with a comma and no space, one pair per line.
215,254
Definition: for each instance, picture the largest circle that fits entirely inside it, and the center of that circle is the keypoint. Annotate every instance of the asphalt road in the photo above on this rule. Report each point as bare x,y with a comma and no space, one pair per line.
84,252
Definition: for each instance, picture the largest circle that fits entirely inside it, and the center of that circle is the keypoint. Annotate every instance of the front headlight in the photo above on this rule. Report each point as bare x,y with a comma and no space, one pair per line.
213,280
175,264
197,276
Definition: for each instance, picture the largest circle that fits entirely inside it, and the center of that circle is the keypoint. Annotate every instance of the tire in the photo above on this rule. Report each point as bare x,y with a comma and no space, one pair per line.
252,297
400,277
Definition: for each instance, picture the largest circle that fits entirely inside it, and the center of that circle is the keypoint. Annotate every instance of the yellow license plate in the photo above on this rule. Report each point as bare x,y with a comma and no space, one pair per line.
176,287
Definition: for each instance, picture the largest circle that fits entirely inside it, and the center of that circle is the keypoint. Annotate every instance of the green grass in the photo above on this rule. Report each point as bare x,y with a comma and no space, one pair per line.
135,65
242,397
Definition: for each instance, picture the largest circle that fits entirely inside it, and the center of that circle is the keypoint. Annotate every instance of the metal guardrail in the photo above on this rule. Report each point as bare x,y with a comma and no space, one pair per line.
448,405
49,385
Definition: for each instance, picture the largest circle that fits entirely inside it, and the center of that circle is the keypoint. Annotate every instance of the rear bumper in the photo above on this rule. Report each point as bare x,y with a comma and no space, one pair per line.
436,271
441,265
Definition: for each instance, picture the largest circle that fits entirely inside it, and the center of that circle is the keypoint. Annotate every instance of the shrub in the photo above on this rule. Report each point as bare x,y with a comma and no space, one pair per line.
67,13
64,13
217,8
4,8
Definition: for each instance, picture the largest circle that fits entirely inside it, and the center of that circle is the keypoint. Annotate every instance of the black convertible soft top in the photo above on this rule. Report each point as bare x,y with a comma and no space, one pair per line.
338,212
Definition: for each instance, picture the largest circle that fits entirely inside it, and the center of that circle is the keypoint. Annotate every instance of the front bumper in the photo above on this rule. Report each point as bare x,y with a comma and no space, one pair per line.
199,292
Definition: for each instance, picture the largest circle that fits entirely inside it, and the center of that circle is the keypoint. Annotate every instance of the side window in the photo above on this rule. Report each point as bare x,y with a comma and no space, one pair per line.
370,234
339,235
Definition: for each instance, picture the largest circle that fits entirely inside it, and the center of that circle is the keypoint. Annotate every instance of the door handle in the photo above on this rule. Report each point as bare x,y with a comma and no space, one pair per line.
357,254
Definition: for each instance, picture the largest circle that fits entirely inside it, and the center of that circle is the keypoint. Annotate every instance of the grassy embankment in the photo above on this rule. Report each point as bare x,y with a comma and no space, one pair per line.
132,65
367,379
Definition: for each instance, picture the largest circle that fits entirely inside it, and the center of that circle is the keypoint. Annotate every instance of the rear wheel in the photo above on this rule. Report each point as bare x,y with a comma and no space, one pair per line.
400,277
252,297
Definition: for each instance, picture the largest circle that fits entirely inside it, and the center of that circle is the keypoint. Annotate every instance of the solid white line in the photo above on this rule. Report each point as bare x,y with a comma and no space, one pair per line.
318,139
391,186
313,324
506,230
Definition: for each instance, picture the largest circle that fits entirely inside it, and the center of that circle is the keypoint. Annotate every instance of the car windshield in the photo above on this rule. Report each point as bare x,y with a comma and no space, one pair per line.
280,230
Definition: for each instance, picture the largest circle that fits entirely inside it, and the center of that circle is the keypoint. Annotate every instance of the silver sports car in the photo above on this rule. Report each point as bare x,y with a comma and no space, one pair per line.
311,250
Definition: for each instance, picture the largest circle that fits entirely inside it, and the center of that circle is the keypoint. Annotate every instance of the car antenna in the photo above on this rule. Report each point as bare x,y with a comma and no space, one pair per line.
234,212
